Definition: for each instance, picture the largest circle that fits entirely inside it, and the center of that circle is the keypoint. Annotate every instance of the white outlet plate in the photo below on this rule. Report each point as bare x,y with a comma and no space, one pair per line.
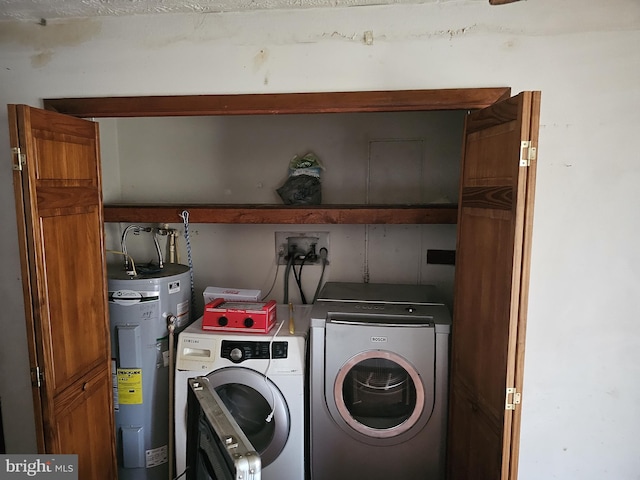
304,239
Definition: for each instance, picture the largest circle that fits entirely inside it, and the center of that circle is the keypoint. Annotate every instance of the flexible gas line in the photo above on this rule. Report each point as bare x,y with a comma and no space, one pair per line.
170,233
172,247
171,321
133,265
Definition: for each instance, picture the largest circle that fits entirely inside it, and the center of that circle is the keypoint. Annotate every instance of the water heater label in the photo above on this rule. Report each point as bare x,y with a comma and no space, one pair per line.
174,287
114,385
182,312
156,456
130,386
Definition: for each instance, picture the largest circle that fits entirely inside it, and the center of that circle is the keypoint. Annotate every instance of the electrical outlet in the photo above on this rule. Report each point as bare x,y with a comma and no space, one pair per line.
304,246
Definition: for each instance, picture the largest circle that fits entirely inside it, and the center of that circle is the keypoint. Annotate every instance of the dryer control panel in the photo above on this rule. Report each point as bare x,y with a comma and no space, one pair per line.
239,351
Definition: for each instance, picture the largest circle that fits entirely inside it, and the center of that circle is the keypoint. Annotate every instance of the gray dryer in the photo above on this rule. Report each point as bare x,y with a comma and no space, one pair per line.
378,382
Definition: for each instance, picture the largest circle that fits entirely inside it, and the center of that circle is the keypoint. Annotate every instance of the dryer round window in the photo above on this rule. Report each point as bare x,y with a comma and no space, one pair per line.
379,394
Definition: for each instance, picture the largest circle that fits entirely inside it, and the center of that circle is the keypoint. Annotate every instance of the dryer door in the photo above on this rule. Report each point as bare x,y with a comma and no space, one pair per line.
257,405
379,381
379,394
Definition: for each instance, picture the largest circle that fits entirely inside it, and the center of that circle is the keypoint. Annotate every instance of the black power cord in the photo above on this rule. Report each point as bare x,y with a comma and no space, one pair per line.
312,256
287,271
323,258
298,277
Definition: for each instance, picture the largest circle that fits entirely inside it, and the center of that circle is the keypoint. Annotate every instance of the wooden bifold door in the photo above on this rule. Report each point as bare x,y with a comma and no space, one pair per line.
59,202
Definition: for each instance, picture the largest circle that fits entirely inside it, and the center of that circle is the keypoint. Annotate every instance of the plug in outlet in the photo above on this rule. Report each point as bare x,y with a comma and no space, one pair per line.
303,246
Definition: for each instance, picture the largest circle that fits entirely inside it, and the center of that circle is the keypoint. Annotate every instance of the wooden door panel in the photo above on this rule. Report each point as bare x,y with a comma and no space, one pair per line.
76,427
60,156
483,318
73,345
477,453
68,201
494,231
60,147
486,150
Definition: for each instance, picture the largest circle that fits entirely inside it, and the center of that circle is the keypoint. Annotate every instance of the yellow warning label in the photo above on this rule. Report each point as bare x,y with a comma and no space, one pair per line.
129,386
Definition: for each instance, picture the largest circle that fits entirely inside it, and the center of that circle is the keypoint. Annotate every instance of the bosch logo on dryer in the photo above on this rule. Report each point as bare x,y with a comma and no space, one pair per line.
378,339
368,306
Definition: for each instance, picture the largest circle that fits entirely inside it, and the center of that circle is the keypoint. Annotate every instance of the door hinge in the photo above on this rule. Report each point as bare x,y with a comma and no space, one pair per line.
37,377
527,153
515,399
20,159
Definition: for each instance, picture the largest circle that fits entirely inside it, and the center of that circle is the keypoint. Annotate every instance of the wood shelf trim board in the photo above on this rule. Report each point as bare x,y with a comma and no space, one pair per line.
279,103
283,214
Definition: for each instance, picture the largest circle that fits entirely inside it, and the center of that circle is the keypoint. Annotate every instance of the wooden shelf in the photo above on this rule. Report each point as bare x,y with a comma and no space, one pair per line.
275,214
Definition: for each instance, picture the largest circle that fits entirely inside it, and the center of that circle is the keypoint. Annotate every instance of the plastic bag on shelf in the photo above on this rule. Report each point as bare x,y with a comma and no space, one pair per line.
302,187
308,164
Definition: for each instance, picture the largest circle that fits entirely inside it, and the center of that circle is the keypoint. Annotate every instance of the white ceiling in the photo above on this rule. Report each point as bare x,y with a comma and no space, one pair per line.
51,9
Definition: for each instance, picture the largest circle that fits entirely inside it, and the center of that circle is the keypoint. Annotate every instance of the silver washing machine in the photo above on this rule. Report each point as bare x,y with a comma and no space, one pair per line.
378,382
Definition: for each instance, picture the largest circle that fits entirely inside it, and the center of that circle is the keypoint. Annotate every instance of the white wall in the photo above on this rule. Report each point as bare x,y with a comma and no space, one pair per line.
581,398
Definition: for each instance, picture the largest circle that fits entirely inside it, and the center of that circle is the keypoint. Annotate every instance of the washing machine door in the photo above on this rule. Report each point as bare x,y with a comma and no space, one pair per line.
217,448
378,395
258,407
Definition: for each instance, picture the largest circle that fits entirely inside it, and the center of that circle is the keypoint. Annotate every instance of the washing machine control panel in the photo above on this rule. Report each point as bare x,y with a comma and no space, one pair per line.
240,350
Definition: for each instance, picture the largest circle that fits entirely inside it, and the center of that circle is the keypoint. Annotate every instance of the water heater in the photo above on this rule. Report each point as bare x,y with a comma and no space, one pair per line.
142,303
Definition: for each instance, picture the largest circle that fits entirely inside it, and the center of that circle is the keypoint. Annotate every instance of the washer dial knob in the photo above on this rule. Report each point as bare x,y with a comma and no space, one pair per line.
236,354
